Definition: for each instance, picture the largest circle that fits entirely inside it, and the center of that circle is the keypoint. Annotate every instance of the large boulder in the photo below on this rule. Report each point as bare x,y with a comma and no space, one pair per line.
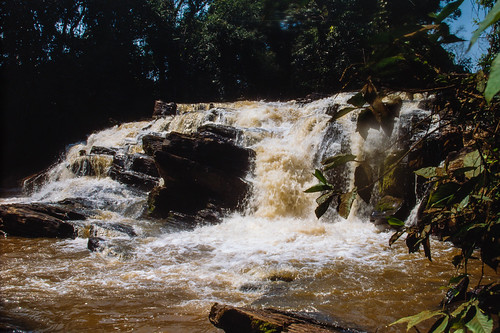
200,170
37,220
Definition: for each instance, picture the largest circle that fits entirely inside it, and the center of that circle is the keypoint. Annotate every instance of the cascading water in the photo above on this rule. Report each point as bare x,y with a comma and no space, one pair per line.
275,254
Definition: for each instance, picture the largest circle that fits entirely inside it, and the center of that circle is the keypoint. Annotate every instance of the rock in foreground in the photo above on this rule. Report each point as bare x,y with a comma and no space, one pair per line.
245,320
37,220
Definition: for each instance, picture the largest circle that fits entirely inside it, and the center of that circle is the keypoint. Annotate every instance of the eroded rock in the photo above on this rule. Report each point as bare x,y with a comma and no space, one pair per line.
202,171
37,220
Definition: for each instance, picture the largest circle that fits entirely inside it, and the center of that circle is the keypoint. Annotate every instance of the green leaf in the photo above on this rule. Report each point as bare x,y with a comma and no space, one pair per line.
396,236
461,310
492,17
463,203
323,203
318,188
395,221
462,171
357,100
343,112
448,10
428,172
389,61
440,325
473,160
319,175
418,318
443,193
427,248
493,85
457,279
334,161
480,323
345,203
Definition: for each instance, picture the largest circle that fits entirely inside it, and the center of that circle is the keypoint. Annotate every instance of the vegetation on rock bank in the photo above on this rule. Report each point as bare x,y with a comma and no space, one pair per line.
462,200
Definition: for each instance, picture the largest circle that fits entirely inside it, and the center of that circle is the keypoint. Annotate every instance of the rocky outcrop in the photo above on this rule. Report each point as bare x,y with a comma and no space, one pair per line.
163,109
38,220
245,320
200,170
386,207
32,183
136,170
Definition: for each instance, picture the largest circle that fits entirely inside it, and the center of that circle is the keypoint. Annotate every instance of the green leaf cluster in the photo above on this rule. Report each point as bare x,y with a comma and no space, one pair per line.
467,317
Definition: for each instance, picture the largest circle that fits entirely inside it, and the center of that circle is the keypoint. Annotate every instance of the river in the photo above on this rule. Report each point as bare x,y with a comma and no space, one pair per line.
274,254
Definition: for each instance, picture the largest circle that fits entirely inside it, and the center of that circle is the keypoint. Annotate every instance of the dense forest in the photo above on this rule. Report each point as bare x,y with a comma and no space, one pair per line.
69,67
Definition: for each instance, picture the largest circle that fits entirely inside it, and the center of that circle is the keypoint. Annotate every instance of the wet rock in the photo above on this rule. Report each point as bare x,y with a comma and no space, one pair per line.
144,164
311,98
221,130
111,230
238,319
91,165
116,248
98,150
187,221
386,207
24,220
200,170
152,143
427,104
34,182
135,179
163,109
96,244
211,150
136,170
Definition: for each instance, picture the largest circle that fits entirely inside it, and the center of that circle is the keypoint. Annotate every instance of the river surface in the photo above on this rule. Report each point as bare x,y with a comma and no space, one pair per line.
275,254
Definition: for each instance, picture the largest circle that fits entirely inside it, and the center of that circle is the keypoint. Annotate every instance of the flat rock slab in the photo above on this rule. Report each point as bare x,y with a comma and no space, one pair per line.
245,320
37,220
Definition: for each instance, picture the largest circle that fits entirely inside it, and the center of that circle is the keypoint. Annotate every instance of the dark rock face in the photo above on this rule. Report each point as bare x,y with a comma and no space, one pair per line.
98,150
200,170
32,183
387,206
152,143
37,220
137,170
96,244
228,132
162,109
245,320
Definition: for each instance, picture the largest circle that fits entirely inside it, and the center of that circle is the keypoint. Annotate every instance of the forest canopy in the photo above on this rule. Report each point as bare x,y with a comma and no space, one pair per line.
72,66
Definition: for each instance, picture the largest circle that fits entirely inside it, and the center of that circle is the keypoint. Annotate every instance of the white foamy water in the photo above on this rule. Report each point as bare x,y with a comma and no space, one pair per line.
275,254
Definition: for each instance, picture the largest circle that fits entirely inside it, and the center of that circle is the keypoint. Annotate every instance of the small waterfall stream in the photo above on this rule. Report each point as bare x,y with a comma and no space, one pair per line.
274,254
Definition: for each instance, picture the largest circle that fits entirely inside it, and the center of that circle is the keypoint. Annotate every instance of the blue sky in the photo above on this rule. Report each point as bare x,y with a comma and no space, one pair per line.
464,27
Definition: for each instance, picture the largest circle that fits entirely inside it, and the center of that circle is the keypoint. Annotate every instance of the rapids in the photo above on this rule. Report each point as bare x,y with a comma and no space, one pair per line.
275,254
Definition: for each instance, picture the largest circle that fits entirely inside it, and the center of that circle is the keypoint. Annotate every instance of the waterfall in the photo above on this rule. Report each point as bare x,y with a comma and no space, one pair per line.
275,252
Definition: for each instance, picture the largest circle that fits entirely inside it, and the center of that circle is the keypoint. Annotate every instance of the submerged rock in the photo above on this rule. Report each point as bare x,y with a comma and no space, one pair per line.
235,320
37,220
96,244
